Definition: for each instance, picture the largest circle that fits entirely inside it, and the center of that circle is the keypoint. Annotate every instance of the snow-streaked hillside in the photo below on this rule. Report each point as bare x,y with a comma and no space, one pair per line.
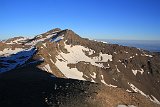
66,55
77,54
16,60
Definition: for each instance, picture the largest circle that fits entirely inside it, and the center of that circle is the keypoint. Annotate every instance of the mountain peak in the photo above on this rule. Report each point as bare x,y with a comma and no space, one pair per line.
54,30
65,54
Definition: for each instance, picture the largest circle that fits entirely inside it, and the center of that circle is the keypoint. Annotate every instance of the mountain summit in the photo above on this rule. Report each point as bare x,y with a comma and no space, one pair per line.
94,74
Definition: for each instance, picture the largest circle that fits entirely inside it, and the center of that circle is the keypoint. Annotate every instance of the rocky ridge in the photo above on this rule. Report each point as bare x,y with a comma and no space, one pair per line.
65,54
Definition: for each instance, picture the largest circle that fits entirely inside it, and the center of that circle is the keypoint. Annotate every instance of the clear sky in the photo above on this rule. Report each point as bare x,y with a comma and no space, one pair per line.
96,19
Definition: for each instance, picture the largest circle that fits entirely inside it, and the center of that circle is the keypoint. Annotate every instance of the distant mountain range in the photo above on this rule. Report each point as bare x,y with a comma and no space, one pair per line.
60,69
150,45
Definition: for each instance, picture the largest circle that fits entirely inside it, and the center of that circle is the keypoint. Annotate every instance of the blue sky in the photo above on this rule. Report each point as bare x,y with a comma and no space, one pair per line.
96,19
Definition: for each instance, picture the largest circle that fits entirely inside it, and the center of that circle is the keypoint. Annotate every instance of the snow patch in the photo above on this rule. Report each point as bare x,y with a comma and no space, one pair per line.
49,54
125,52
76,54
47,68
92,80
115,52
117,69
119,61
104,42
9,51
91,52
51,61
86,76
135,89
94,75
124,65
135,71
57,38
17,59
110,85
34,42
126,106
40,36
44,44
18,41
131,57
114,79
69,73
146,55
154,99
128,90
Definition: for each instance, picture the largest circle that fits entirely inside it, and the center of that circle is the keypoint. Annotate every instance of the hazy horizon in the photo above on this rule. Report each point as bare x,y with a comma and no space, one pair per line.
150,45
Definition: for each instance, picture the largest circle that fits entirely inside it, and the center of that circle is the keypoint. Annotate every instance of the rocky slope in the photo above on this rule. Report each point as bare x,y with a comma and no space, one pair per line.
131,74
29,86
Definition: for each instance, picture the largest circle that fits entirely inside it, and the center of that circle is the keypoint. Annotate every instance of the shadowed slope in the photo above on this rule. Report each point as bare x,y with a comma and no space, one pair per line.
29,86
